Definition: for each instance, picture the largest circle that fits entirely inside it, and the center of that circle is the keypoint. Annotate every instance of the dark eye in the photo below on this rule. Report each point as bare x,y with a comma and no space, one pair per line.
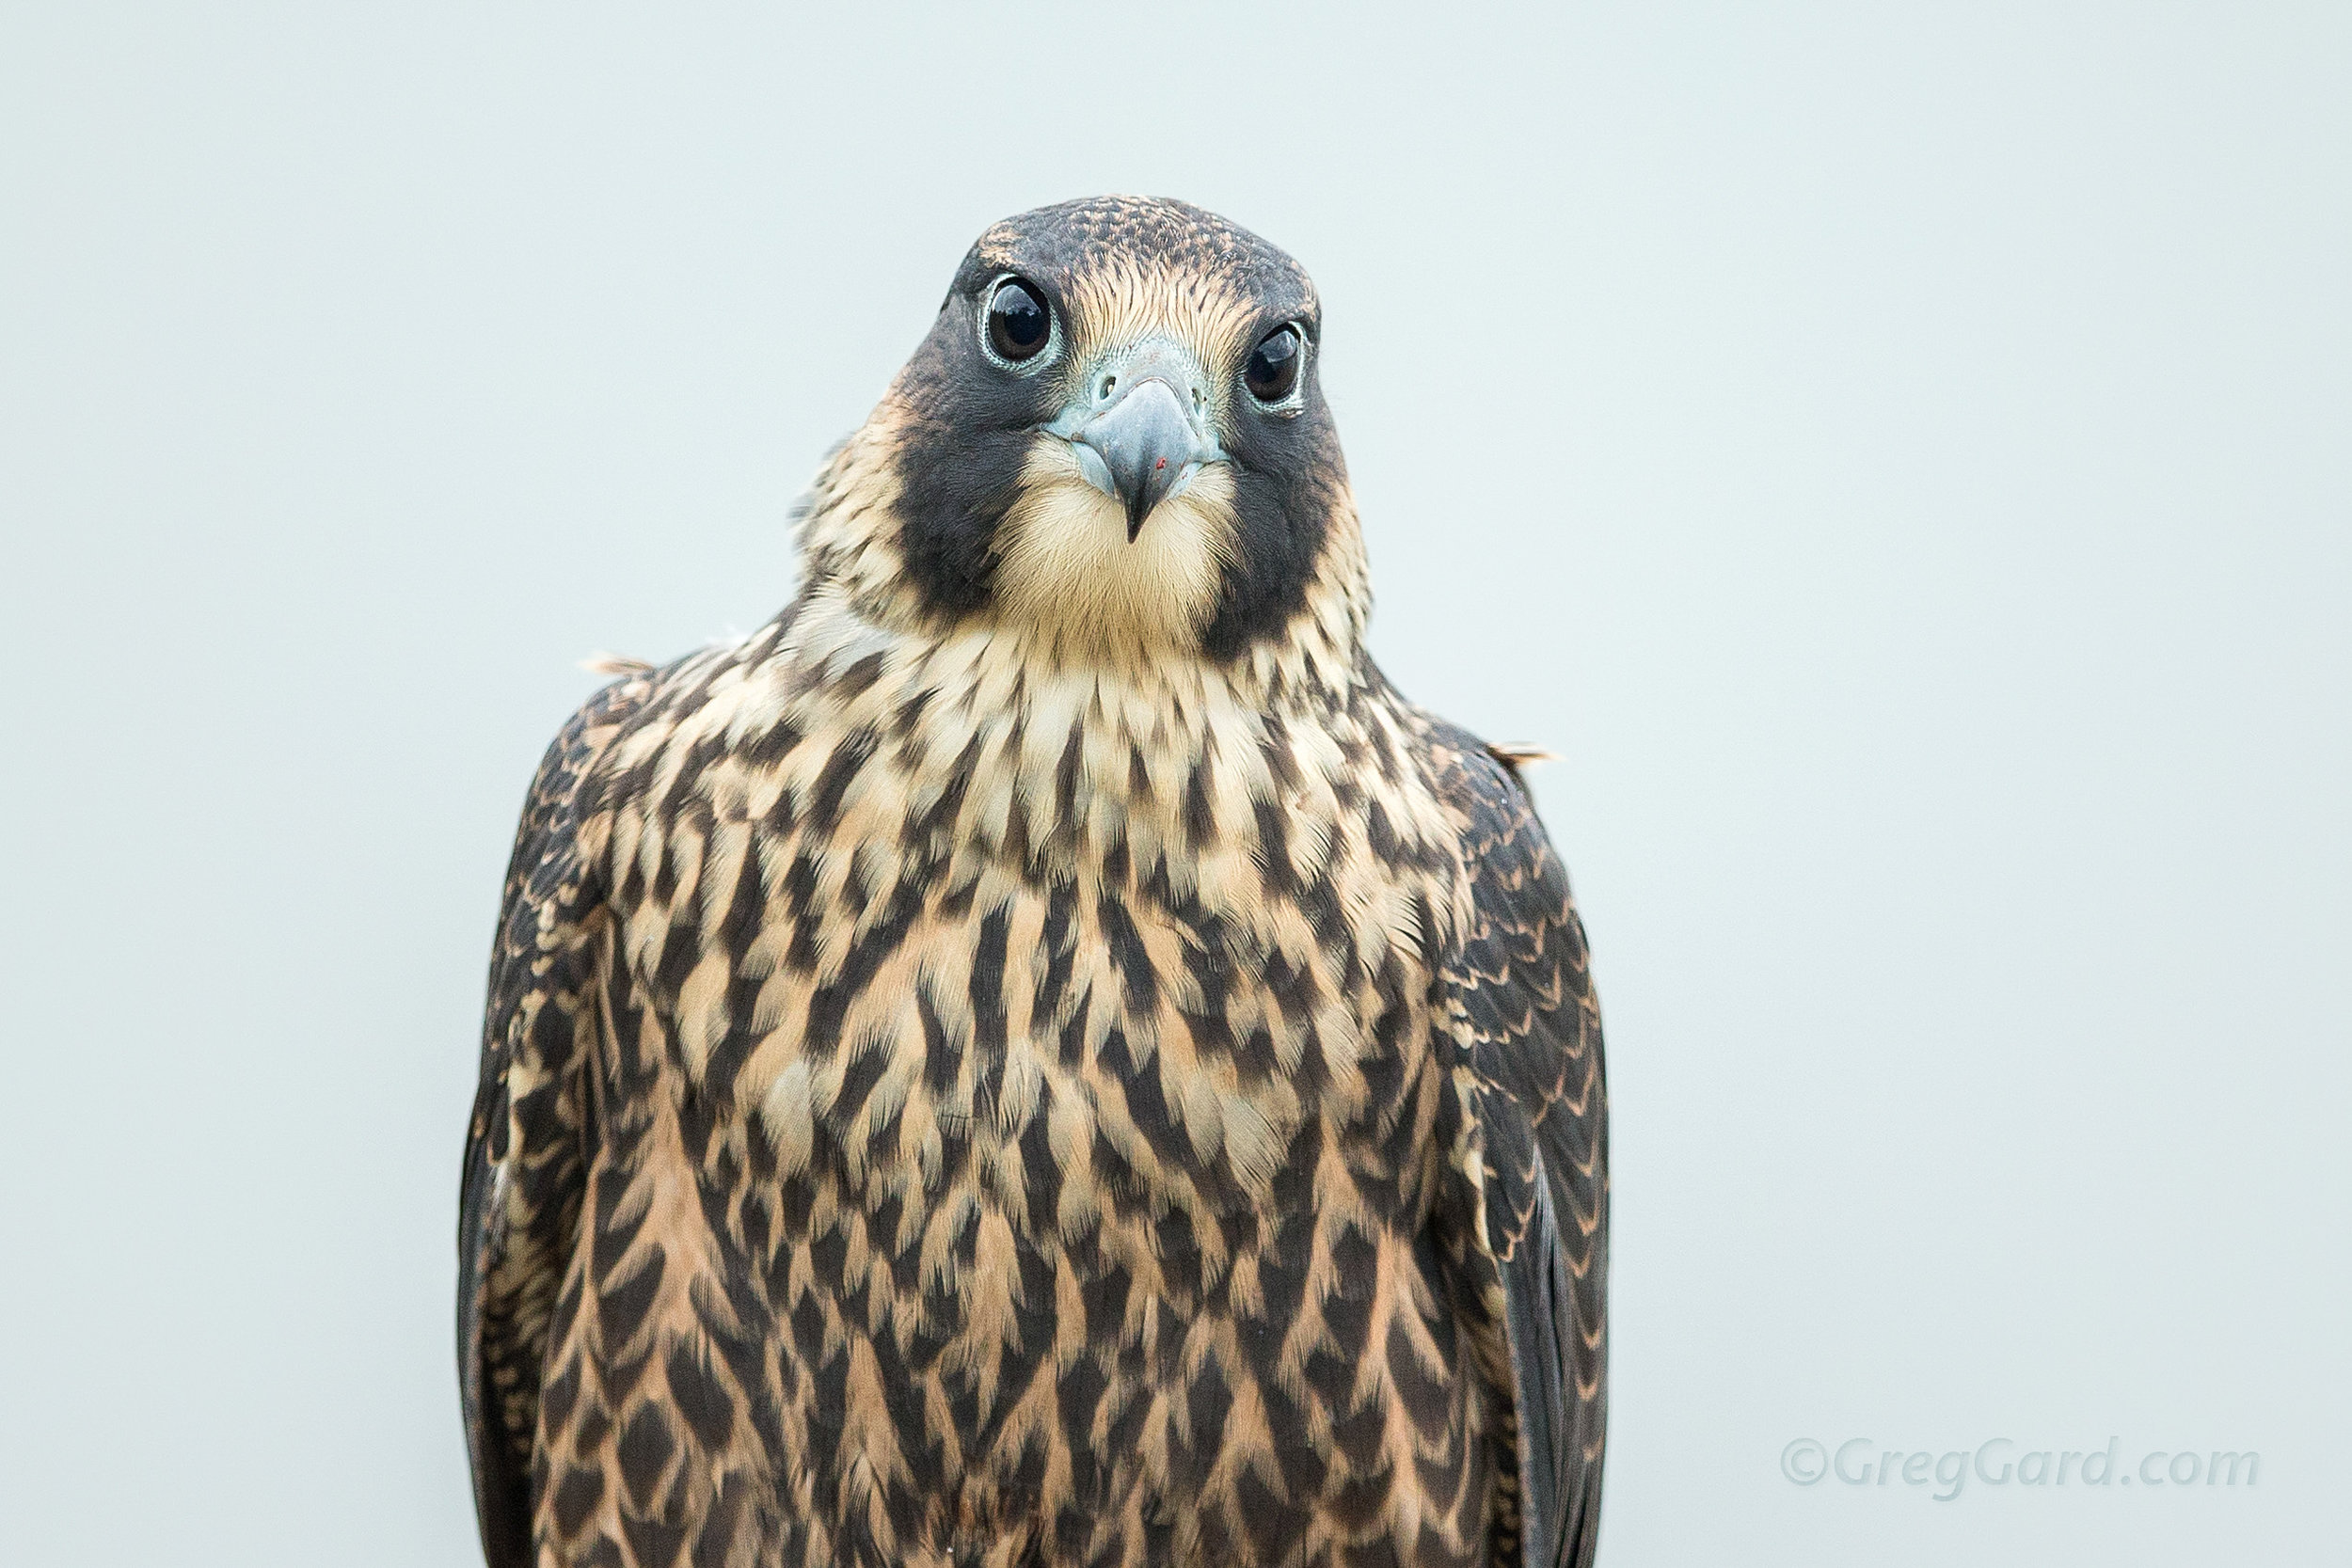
1273,367
1018,322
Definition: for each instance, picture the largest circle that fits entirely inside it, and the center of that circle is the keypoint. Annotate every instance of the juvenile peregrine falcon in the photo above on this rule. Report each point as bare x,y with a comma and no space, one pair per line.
1040,1054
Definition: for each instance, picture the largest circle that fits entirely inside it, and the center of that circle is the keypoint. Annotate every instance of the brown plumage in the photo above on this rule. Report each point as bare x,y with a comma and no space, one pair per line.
1040,1054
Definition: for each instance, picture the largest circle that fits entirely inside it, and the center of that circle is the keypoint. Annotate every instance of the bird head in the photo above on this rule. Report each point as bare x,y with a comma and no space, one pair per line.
1113,439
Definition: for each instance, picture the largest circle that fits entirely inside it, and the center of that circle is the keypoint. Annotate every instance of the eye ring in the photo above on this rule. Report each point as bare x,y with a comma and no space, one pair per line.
1017,325
1271,371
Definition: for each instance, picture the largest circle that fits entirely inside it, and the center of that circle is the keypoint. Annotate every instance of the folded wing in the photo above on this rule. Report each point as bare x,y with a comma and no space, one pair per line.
528,1144
1532,1154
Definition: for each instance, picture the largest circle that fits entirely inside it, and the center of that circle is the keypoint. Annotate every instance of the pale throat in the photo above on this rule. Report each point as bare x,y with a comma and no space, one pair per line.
1068,575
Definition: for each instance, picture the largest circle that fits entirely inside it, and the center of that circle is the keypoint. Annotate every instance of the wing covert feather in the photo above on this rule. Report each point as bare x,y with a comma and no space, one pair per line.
526,1145
1533,1148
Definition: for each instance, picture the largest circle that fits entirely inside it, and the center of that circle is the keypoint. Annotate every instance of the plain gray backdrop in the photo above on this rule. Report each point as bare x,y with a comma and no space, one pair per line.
1899,457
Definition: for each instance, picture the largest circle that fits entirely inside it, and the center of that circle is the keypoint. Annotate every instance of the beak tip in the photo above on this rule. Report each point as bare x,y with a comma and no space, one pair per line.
1144,444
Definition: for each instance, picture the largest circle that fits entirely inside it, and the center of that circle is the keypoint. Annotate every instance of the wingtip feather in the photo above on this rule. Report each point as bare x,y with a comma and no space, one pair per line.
615,664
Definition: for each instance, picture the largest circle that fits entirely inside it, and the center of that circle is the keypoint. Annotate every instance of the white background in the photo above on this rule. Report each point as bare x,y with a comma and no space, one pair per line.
1897,455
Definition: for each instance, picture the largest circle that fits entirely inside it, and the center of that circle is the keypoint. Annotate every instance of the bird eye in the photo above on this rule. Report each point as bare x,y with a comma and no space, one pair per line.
1018,322
1273,367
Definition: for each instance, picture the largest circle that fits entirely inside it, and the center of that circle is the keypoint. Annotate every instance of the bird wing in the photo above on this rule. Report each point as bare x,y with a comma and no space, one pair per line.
1532,1151
526,1146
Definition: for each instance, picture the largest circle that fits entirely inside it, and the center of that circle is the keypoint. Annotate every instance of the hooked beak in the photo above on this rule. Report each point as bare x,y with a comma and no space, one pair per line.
1140,432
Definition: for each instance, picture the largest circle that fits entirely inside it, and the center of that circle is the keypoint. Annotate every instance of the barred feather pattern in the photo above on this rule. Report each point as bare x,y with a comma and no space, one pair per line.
1069,1143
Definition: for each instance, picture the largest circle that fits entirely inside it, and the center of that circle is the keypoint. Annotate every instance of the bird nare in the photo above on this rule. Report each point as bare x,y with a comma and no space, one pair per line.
1040,1054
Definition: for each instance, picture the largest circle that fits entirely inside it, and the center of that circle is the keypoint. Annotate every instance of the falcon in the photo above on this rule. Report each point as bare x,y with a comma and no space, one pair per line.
1040,1054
